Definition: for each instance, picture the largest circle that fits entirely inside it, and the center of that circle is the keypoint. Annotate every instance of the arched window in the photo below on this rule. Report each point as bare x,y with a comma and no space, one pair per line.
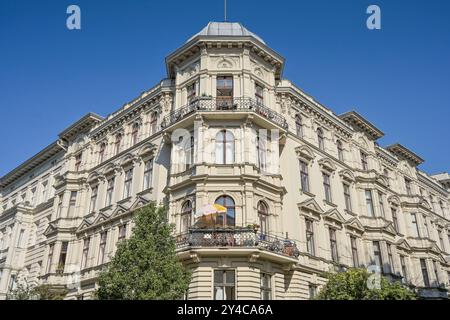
153,122
320,139
299,125
135,134
117,143
340,150
228,219
186,216
224,147
101,153
263,216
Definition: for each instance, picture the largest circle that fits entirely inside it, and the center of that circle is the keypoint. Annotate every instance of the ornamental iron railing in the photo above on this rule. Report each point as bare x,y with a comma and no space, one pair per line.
211,104
236,237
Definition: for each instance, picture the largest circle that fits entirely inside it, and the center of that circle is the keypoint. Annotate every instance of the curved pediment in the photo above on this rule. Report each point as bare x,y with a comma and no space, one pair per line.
382,180
327,164
394,200
347,175
147,150
305,153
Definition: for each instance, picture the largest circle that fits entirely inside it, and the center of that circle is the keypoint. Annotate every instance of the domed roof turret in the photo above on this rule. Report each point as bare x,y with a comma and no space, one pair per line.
233,29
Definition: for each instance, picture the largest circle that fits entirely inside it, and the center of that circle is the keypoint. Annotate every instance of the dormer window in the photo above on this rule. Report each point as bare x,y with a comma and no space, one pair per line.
224,92
259,94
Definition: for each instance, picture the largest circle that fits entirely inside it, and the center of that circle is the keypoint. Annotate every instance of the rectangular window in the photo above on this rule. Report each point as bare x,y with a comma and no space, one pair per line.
347,197
381,204
333,245
224,285
102,249
122,232
62,257
436,273
425,277
354,251
191,92
78,162
414,226
266,286
312,291
408,187
395,219
377,255
369,203
110,192
127,183
50,258
364,162
259,94
404,269
224,92
148,174
310,237
304,176
327,187
72,203
93,203
85,256
391,258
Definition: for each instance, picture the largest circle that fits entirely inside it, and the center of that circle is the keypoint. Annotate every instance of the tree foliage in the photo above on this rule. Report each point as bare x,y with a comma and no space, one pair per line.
354,284
25,291
145,267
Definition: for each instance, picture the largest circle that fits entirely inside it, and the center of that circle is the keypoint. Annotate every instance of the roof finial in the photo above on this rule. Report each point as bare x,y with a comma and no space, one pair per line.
225,10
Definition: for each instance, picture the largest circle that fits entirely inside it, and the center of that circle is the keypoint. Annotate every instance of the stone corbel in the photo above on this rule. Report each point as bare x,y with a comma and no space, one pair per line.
254,257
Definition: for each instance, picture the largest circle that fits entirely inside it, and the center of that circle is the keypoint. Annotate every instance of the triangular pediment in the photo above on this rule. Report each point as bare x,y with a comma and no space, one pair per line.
355,224
84,224
334,215
139,202
310,205
119,210
100,218
390,228
403,244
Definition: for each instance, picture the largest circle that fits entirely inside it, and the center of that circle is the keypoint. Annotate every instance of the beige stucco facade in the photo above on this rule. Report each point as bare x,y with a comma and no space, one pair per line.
307,190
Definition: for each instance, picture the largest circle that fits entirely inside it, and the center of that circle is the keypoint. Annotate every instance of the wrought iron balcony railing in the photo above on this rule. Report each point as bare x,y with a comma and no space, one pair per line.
205,104
236,237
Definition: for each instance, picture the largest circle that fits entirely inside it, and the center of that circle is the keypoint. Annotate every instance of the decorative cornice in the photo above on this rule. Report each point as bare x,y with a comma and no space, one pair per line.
82,125
359,123
404,153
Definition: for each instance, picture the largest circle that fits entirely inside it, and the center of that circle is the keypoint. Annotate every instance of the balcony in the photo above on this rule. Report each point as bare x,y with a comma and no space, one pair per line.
205,104
236,238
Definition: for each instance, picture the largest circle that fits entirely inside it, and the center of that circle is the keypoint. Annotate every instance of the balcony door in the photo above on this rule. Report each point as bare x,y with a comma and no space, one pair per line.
224,93
228,219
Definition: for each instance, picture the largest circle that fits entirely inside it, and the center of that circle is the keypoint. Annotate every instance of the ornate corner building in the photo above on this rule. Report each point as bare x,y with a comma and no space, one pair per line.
305,190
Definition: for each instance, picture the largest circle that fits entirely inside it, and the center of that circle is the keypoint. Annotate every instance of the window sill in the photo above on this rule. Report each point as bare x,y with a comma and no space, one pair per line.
307,193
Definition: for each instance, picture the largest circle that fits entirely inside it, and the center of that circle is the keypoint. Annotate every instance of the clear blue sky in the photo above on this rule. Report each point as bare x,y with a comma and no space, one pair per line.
398,78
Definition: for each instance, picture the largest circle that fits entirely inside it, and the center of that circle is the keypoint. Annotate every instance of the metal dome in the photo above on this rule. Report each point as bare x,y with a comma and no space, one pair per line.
234,29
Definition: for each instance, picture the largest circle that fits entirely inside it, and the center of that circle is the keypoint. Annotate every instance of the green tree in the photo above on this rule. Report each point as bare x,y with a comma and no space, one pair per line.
145,267
354,285
25,291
